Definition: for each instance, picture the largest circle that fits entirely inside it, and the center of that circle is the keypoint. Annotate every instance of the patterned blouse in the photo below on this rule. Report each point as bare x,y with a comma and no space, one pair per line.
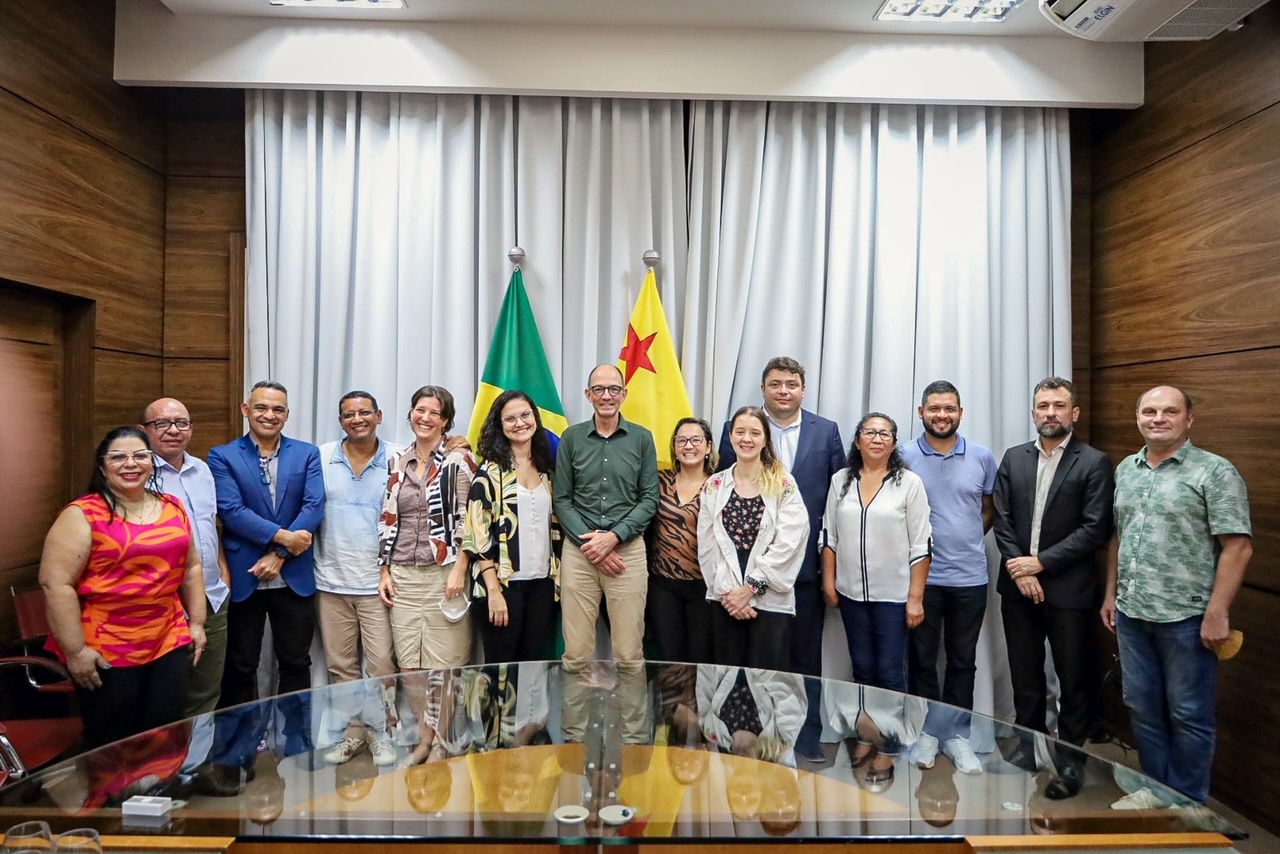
742,520
129,603
673,533
448,481
492,526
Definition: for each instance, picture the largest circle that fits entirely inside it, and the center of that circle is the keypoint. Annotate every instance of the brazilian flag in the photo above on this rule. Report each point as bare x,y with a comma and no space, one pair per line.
517,361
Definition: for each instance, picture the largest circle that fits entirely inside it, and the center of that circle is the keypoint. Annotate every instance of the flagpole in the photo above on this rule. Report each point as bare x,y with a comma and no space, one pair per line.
516,255
651,258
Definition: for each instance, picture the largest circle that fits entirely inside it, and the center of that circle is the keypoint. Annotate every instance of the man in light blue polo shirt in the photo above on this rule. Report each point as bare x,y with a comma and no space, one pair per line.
351,615
168,425
959,478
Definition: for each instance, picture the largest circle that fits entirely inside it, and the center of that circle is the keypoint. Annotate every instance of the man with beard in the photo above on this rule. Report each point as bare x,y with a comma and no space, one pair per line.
1053,512
959,477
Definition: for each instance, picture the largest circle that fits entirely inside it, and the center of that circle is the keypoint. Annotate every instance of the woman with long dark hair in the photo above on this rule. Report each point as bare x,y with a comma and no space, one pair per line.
752,527
124,593
676,613
875,552
511,535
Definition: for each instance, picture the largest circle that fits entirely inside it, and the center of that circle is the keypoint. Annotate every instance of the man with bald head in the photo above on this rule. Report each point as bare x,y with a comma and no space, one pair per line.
1178,557
605,492
168,424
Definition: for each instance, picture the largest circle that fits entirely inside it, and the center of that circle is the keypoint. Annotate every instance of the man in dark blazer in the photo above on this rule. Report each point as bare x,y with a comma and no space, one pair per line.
1053,500
809,447
270,500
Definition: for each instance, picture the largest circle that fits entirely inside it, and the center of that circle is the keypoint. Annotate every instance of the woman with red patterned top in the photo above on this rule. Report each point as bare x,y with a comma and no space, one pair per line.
124,593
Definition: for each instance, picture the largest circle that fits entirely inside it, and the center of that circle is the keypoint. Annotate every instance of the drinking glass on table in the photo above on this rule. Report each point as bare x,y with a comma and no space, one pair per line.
82,840
28,836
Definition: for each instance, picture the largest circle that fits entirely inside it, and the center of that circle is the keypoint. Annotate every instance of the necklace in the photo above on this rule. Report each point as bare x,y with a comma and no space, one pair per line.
145,513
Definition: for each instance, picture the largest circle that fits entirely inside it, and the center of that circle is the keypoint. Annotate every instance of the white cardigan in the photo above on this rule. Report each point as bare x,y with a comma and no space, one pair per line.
776,555
780,701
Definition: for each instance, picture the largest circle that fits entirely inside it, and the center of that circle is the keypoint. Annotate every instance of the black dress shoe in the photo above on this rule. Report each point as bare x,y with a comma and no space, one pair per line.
222,781
1023,757
1066,785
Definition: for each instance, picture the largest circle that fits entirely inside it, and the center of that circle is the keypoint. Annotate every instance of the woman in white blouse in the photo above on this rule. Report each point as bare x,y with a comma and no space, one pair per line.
875,552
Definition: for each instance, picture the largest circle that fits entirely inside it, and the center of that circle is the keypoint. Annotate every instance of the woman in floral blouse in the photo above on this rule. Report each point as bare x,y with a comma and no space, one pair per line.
752,527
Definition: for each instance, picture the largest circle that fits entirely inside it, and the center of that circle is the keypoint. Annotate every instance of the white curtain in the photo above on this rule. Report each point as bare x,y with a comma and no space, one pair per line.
882,246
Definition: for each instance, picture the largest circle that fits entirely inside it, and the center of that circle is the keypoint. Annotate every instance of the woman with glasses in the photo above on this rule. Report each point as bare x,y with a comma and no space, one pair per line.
511,535
677,615
752,527
124,593
875,552
420,549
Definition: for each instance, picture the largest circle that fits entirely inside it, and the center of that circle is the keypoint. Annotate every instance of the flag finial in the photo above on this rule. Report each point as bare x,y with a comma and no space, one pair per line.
516,255
651,258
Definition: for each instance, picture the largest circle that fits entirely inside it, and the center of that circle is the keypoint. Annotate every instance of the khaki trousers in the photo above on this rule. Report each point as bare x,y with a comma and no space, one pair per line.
581,587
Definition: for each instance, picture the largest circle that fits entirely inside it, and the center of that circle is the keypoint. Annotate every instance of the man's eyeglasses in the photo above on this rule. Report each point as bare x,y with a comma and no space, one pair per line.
118,459
607,390
513,420
691,441
883,435
363,413
163,424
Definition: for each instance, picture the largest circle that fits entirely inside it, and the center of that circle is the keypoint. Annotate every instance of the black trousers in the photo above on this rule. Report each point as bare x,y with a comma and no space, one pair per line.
529,634
293,624
1070,633
678,619
952,621
763,643
135,699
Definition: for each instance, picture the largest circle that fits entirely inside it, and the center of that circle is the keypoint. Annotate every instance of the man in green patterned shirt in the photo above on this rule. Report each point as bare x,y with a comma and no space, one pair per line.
1179,554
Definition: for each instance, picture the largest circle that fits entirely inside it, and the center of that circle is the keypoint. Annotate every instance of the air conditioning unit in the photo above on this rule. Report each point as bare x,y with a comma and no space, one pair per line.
1146,20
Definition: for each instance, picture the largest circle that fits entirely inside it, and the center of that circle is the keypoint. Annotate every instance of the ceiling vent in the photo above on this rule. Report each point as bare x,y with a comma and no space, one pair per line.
1146,20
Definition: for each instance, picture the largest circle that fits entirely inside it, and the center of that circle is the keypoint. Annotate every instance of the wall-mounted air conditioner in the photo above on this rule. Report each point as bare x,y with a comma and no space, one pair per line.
1146,20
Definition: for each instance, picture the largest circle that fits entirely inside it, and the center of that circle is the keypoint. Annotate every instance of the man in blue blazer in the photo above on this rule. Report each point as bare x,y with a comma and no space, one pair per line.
809,447
270,500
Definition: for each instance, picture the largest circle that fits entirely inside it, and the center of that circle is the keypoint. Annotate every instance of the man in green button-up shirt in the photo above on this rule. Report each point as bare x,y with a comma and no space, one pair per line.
606,491
1181,548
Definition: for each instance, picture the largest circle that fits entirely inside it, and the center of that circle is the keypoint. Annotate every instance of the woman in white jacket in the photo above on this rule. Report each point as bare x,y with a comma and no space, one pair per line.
752,529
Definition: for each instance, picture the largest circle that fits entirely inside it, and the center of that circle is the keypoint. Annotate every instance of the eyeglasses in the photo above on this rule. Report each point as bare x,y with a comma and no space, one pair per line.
163,424
513,420
882,435
607,390
362,413
691,441
119,459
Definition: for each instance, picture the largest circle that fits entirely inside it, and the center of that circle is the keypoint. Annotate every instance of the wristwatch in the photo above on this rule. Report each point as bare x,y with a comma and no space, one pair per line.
757,584
281,552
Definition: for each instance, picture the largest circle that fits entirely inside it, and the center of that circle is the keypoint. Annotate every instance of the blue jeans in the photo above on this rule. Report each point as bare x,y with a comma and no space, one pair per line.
877,637
1171,689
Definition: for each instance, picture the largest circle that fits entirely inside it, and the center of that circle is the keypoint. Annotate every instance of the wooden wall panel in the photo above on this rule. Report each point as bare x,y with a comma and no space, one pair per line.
83,219
1228,421
196,301
59,57
206,133
1193,90
1187,253
203,386
1081,273
126,382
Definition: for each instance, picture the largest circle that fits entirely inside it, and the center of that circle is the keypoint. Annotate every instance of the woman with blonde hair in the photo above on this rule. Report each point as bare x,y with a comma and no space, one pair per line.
752,527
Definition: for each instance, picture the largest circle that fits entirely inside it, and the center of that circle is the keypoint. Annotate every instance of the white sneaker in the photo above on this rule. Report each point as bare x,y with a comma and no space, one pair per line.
383,752
1143,799
924,751
344,750
961,754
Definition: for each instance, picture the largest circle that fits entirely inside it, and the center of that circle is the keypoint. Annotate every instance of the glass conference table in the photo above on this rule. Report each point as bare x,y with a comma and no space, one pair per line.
536,754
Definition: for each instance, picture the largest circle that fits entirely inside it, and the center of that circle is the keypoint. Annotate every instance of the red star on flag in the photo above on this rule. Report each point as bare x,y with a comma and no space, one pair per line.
636,353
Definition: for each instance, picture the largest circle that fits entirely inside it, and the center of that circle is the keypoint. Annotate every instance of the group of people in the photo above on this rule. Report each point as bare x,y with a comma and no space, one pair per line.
730,557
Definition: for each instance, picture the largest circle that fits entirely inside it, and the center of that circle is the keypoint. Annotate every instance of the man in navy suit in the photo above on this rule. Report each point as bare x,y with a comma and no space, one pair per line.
270,500
809,447
1053,500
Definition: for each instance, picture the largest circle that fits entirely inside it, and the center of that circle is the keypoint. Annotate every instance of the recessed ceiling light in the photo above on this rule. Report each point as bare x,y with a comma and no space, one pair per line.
978,11
341,4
